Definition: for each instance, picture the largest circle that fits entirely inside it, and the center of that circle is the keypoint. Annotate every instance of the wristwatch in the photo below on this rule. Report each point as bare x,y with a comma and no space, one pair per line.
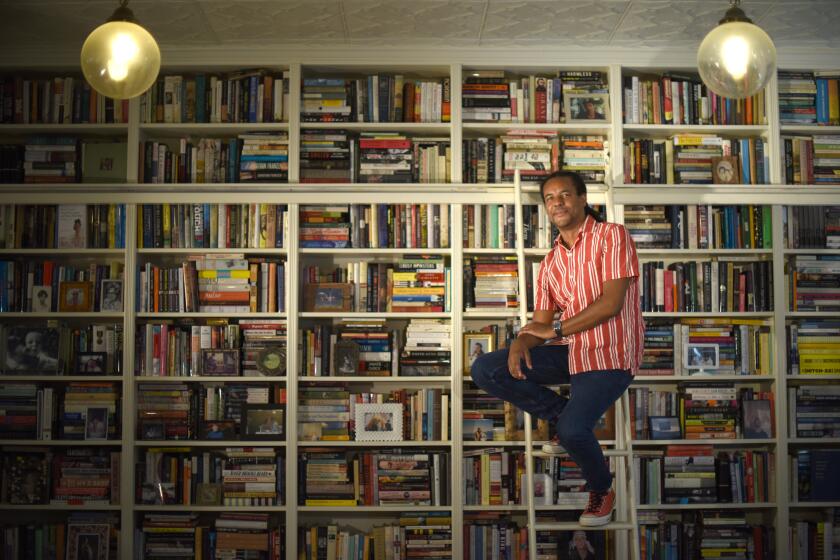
558,328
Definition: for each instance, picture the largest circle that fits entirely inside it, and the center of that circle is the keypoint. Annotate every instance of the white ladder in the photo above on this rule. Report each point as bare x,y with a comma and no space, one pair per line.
625,521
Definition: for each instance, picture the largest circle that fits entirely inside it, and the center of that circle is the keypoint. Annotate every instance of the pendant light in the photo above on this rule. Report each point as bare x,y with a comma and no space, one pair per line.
737,58
120,59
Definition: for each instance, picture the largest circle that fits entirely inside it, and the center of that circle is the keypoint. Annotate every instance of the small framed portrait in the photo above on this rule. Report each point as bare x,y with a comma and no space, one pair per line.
758,422
72,226
583,544
478,429
327,297
96,423
701,356
207,494
726,170
111,295
271,361
31,350
92,362
158,493
665,427
217,429
220,361
379,422
263,421
587,107
152,430
75,296
88,541
346,357
476,344
41,299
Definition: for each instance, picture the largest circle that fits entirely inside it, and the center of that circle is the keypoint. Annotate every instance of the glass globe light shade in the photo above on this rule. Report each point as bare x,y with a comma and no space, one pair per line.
120,59
736,59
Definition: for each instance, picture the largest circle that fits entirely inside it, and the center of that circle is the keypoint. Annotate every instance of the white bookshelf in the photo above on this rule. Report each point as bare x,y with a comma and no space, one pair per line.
613,195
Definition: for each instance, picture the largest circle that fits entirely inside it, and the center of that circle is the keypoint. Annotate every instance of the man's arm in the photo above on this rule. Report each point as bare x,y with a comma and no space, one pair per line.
605,307
520,348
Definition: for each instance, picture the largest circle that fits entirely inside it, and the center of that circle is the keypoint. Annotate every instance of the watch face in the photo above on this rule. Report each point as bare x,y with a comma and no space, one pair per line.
272,361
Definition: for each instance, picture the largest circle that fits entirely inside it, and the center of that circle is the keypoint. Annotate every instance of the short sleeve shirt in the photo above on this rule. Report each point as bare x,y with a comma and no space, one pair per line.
571,279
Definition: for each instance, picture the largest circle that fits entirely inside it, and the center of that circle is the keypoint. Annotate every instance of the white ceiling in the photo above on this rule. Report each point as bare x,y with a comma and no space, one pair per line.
30,25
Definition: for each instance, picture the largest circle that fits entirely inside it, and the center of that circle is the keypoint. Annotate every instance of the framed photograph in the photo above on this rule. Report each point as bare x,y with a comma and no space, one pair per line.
72,226
92,362
152,430
263,421
476,344
346,357
478,429
605,427
583,544
327,297
701,356
31,350
379,422
111,295
220,361
96,423
587,107
726,170
103,162
75,296
88,541
158,493
665,427
758,422
41,299
271,361
217,429
207,494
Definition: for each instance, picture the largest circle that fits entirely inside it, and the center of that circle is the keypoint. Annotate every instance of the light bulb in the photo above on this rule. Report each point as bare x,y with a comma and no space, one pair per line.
736,59
120,59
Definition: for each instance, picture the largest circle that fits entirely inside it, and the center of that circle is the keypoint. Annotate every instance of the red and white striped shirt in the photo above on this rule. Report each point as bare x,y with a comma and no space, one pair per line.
572,279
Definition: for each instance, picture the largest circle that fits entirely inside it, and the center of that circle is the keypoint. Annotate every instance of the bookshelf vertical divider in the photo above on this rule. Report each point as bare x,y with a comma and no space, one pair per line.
292,369
456,439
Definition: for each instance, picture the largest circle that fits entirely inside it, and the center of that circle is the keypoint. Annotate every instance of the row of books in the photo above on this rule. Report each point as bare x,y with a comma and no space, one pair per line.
47,286
253,96
811,160
734,347
813,347
212,226
699,226
361,347
701,411
813,411
50,226
492,476
387,225
726,284
676,99
249,158
809,97
232,476
382,478
491,282
417,535
535,154
377,98
59,100
811,227
815,480
813,282
207,284
63,349
493,96
690,159
87,532
682,475
815,539
488,535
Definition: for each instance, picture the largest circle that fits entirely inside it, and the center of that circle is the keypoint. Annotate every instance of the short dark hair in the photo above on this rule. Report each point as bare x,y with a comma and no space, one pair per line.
580,188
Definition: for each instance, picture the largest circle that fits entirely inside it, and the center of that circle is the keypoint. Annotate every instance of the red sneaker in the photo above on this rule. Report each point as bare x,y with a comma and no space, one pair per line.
599,509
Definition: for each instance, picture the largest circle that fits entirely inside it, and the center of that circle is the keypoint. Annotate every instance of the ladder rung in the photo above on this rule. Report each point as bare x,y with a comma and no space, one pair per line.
607,453
570,526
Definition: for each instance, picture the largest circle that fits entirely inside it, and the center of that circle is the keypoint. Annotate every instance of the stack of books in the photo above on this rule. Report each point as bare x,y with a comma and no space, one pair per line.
325,100
586,155
815,411
83,399
535,154
690,475
264,157
710,411
385,157
814,347
659,356
52,160
263,346
163,411
163,532
19,416
250,476
427,535
419,285
324,413
362,347
486,97
427,349
693,157
247,535
496,282
324,226
328,479
327,156
86,477
814,281
797,97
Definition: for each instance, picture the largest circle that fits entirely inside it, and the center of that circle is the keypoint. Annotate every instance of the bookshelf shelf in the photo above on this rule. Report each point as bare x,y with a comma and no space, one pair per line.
63,442
207,443
191,508
809,129
69,129
65,253
63,315
737,506
814,441
377,444
732,314
482,251
475,128
613,526
207,379
192,251
177,314
375,251
373,315
489,314
715,442
805,314
59,507
405,127
680,253
502,508
811,251
811,378
371,509
671,129
814,505
703,378
494,443
186,129
59,378
410,379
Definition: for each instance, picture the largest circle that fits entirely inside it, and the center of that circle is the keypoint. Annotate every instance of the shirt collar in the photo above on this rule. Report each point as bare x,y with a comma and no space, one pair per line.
587,227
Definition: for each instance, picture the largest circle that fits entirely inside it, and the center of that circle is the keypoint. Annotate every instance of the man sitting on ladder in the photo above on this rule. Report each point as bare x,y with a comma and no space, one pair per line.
591,275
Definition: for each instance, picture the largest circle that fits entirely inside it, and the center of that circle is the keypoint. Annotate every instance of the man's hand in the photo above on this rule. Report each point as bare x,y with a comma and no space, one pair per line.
518,351
540,330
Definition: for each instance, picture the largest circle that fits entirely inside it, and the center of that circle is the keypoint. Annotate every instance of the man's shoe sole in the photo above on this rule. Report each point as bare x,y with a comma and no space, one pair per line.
595,521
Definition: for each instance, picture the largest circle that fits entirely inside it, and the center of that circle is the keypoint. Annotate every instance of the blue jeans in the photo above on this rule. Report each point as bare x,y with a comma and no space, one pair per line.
592,393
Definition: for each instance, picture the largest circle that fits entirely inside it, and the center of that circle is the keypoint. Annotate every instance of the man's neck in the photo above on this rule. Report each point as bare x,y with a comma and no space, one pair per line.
570,233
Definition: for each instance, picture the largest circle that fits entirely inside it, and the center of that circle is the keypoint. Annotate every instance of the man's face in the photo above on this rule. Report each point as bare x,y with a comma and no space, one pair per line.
33,342
564,206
